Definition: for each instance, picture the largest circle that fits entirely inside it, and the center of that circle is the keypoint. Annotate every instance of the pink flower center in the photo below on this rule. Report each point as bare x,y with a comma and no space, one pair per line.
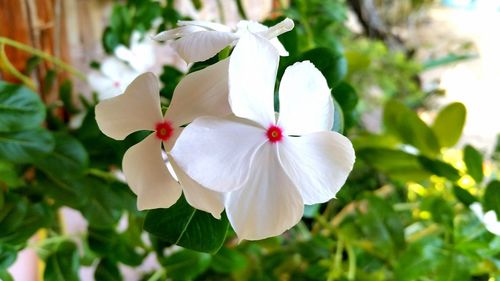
164,130
116,84
274,134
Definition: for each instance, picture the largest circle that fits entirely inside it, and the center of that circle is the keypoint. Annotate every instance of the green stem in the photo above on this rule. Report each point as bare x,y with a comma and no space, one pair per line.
241,10
158,275
5,62
102,174
336,268
45,56
351,256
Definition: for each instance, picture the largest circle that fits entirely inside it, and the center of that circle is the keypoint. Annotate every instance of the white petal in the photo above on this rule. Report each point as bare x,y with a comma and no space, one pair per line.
491,222
123,53
252,73
306,104
111,67
281,49
317,163
204,92
217,152
202,45
103,85
148,176
268,203
197,196
137,109
176,33
205,24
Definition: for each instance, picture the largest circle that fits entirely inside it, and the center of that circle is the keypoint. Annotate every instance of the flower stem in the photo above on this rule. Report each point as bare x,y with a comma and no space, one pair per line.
241,10
336,267
351,256
59,63
5,63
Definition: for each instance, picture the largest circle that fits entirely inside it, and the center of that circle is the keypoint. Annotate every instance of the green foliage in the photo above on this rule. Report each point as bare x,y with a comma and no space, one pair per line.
403,214
185,226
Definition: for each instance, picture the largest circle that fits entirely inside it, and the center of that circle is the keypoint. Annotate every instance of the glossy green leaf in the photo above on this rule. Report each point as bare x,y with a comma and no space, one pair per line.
12,214
228,260
63,264
491,198
69,158
26,146
464,196
37,216
186,264
332,64
449,124
64,191
20,108
185,226
439,168
474,163
106,242
404,123
103,208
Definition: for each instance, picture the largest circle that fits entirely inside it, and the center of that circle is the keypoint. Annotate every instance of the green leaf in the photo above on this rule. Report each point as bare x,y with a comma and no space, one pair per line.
448,59
63,264
404,123
8,256
419,259
26,146
20,108
5,275
474,163
464,196
397,164
228,260
491,199
186,264
449,124
9,176
68,159
38,216
107,270
106,242
12,214
65,94
185,226
439,168
332,64
103,209
64,191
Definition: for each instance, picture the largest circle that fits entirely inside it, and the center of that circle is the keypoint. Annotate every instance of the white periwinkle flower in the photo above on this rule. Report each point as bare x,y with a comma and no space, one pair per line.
268,168
113,78
200,40
143,165
140,55
489,219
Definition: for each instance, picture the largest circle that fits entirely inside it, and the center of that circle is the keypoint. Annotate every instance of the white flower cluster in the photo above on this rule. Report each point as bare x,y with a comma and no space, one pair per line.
235,154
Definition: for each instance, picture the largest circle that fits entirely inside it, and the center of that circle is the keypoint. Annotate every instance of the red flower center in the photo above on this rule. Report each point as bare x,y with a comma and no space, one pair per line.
274,134
164,130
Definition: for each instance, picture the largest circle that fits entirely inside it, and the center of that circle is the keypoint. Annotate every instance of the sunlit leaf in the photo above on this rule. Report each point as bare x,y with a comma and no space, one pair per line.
449,124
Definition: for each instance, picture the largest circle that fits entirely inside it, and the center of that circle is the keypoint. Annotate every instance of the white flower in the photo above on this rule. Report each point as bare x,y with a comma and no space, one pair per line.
113,78
489,219
268,168
199,40
143,165
140,55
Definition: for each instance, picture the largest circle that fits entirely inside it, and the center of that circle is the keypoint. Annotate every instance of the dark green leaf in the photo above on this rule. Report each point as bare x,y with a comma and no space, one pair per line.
66,96
69,158
404,123
103,209
338,118
439,168
464,196
474,163
449,124
107,270
12,214
186,264
185,226
20,108
9,176
65,191
170,77
38,216
228,260
108,243
491,199
26,146
48,81
8,255
62,265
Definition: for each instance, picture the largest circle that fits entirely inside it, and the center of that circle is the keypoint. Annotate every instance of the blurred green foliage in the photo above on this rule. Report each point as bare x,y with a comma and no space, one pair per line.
402,215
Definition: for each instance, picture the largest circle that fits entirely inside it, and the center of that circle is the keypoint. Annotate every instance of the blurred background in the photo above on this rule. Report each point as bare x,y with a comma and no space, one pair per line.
416,90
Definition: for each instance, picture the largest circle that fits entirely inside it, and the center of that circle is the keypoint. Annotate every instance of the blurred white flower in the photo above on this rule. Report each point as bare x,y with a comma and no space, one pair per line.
140,55
489,219
268,168
143,165
113,78
200,40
